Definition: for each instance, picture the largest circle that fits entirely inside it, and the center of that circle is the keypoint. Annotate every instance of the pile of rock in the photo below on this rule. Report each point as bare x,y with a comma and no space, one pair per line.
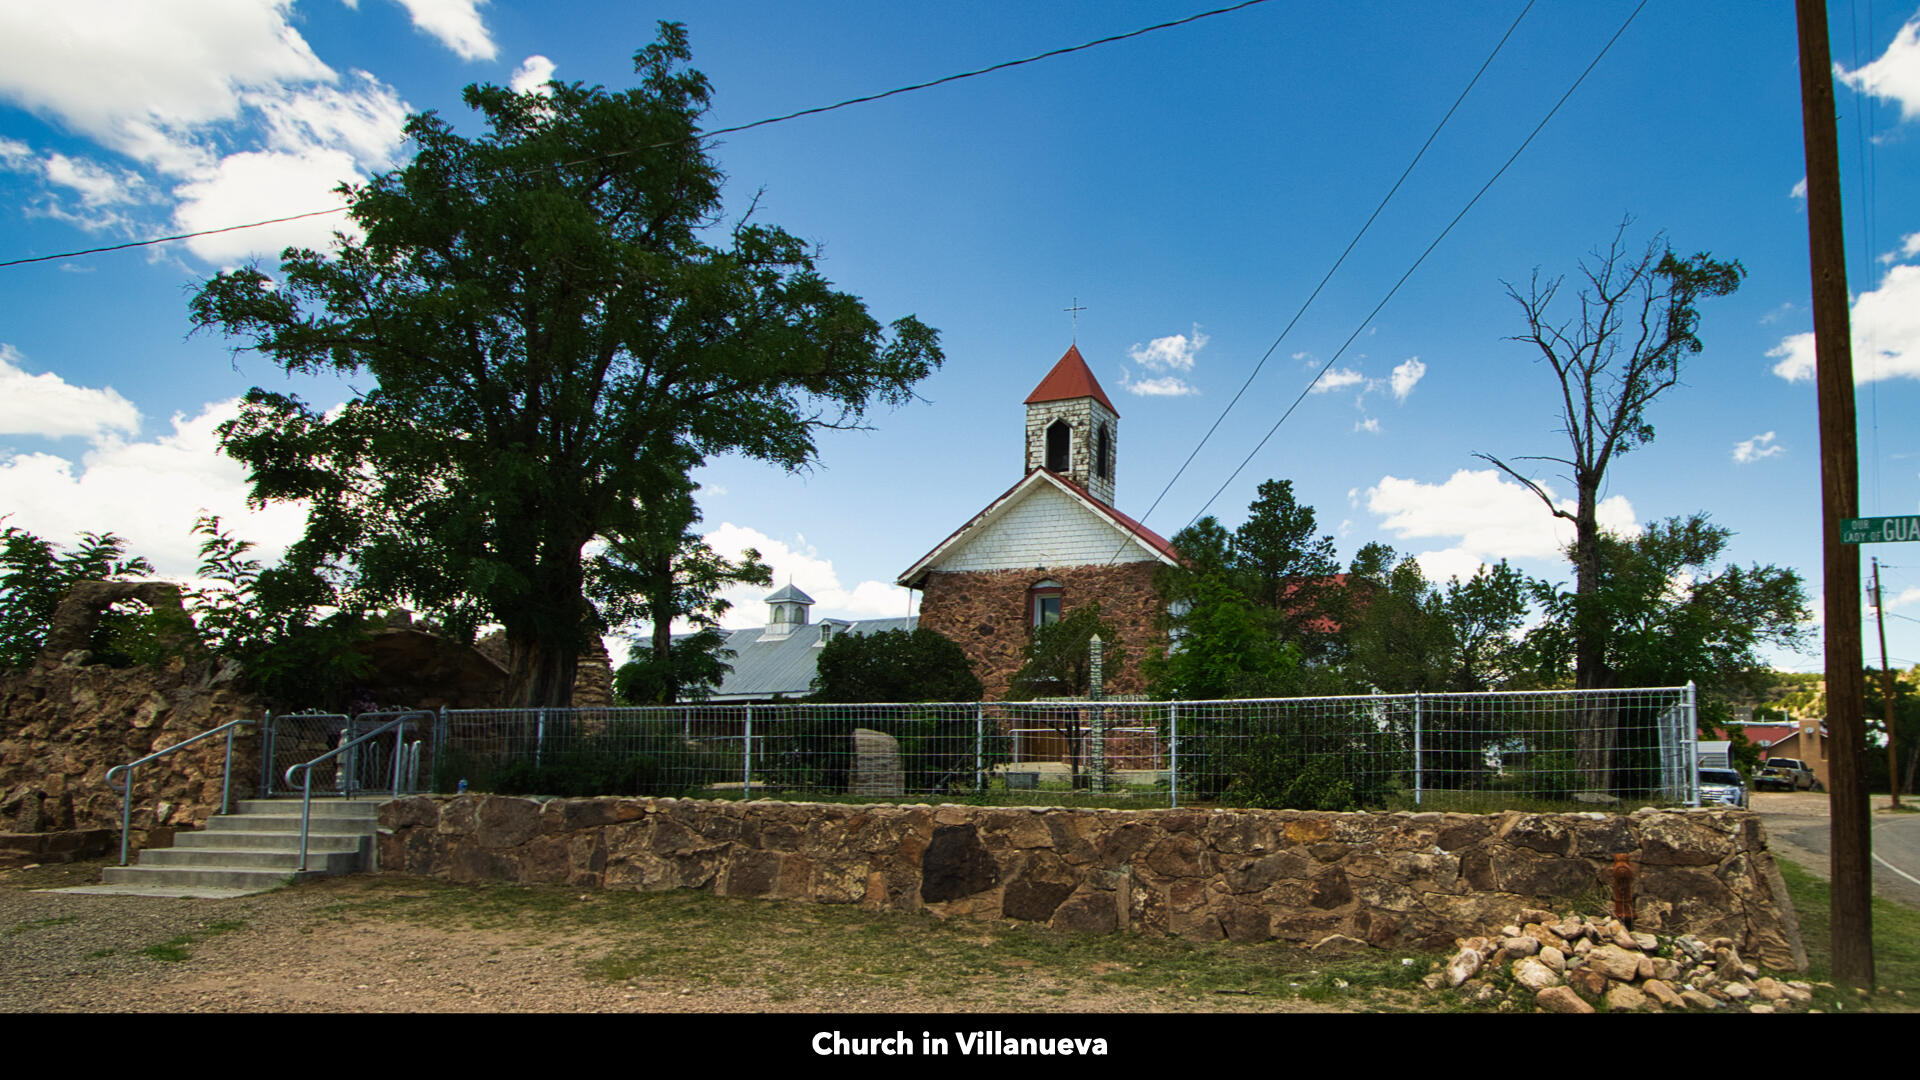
1568,964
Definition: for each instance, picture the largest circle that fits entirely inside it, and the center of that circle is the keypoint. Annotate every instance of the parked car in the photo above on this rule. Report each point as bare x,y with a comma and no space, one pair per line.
1723,786
1786,774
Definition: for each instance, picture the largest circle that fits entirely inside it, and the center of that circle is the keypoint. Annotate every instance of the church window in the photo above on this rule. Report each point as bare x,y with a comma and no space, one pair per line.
1059,446
1043,603
1103,460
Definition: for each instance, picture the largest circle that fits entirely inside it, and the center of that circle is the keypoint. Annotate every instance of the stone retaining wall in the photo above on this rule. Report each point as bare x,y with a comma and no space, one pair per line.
1249,875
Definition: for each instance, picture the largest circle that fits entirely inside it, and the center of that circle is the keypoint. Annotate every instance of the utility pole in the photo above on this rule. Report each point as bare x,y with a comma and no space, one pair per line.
1852,909
1886,688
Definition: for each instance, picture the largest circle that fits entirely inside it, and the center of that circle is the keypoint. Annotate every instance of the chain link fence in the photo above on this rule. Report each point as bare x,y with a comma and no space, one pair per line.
1530,749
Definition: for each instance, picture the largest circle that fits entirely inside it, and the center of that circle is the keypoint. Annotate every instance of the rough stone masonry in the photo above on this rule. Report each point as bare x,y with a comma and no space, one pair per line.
1399,879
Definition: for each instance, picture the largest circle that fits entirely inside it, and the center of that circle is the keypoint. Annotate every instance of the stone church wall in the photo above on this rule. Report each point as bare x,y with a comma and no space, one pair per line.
985,612
1391,880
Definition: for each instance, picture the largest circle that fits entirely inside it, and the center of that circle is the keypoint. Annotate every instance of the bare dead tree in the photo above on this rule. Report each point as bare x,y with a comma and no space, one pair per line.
1636,323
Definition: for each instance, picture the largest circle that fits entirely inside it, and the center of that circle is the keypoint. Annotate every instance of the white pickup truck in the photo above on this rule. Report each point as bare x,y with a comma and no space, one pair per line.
1786,774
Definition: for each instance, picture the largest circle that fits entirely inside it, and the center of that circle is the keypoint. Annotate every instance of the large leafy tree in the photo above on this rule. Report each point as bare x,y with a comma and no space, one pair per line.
1636,323
556,324
1675,612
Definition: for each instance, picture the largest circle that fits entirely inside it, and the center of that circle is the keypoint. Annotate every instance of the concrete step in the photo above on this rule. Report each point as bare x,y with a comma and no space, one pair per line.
262,840
324,862
367,809
201,877
255,850
318,826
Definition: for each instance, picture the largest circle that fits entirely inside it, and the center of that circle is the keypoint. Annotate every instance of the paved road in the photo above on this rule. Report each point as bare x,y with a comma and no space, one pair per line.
1797,829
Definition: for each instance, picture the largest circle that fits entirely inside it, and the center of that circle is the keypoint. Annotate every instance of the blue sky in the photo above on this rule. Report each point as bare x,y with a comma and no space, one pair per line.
1189,188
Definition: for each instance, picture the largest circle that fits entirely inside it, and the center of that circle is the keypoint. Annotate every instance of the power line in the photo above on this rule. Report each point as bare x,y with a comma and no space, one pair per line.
1423,255
717,132
1337,263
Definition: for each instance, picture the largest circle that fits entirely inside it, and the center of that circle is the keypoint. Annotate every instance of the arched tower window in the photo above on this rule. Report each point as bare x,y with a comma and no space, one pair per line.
1103,458
1060,446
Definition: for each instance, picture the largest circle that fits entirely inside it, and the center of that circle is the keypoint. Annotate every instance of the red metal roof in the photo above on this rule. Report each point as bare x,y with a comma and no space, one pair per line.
1069,379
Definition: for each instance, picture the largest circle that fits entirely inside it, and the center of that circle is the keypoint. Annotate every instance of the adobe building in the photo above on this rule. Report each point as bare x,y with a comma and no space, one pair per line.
1050,543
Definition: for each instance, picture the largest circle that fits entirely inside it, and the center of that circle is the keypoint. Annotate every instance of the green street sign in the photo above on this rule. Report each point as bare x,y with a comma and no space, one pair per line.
1879,530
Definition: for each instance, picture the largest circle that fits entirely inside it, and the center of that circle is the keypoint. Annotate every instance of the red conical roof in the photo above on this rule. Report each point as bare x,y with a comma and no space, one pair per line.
1069,379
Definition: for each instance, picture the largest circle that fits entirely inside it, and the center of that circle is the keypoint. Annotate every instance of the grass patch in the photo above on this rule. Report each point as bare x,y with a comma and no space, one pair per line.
180,949
1896,946
689,940
39,924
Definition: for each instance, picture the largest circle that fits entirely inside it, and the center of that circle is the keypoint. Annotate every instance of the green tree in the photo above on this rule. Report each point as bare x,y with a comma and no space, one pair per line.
553,334
894,666
35,575
1673,614
1060,658
656,570
1906,721
1637,323
1279,562
277,623
1222,648
695,667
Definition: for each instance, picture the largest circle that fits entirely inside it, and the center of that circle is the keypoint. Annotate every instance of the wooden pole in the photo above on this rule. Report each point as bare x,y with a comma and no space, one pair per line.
1852,911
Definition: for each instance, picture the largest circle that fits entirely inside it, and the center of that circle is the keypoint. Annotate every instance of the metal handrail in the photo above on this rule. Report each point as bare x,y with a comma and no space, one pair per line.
398,725
126,790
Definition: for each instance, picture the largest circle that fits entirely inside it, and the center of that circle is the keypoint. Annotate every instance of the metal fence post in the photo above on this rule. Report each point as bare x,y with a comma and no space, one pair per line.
746,767
226,775
439,739
1693,747
1173,753
266,754
979,747
1417,777
539,735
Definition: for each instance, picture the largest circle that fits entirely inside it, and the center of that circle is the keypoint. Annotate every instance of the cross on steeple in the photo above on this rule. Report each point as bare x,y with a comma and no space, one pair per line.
1076,309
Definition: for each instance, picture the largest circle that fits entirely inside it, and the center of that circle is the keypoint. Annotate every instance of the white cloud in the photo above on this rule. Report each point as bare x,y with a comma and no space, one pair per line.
1488,517
1172,353
532,74
801,564
1751,450
49,406
1895,76
1799,189
1886,334
221,101
1164,386
1406,376
1904,598
1909,247
1337,379
1785,309
260,186
148,492
1369,425
135,75
455,24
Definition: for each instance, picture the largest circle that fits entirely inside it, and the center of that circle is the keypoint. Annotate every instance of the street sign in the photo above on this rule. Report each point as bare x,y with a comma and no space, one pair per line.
1879,530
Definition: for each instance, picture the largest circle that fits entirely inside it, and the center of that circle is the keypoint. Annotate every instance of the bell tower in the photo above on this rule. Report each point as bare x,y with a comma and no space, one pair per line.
1072,429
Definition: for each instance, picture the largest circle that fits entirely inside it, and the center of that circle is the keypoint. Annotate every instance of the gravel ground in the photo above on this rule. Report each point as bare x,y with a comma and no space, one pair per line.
287,952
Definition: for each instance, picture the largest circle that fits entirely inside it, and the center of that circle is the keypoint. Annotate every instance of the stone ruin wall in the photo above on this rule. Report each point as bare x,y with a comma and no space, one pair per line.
63,725
1400,880
65,721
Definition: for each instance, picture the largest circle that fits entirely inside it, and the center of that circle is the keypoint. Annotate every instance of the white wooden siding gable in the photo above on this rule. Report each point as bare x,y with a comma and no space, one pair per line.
1039,523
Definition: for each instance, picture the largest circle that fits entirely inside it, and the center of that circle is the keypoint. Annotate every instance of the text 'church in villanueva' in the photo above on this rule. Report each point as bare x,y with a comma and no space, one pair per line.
1051,543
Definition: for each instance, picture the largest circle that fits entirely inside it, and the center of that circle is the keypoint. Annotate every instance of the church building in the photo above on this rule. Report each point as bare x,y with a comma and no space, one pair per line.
1048,545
